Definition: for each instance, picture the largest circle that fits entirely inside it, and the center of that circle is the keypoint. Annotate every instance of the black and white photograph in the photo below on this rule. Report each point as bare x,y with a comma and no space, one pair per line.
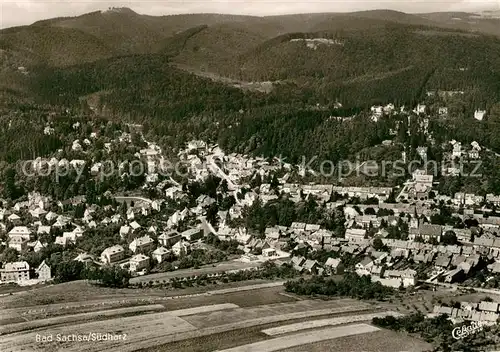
249,176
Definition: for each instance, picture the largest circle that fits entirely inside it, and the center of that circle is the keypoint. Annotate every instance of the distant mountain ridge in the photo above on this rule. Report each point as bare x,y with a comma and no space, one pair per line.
121,31
269,85
385,55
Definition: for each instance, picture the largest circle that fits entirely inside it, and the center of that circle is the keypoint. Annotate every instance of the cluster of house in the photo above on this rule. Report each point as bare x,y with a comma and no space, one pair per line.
30,226
22,273
484,311
30,220
451,262
203,159
170,242
152,159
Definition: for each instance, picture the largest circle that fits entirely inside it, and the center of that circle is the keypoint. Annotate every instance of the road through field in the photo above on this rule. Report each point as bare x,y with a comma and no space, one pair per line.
207,269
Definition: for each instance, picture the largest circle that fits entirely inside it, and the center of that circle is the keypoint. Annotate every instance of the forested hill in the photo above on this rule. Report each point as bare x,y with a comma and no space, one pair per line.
374,59
397,64
357,68
121,31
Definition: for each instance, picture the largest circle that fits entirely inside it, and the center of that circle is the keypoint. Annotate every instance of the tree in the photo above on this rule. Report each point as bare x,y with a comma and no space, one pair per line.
212,212
223,186
113,276
275,183
449,238
378,245
69,270
9,255
370,211
11,191
256,181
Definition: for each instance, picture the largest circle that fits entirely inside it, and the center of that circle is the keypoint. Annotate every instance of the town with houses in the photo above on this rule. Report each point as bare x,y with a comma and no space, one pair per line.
193,181
403,237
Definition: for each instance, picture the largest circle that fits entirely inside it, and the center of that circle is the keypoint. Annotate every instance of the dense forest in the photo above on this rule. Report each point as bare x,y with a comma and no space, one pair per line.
305,114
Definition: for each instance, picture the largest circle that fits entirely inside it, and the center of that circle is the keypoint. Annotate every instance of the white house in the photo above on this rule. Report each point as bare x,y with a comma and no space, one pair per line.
138,262
39,246
355,234
61,240
14,218
16,271
169,238
363,267
124,231
43,229
269,252
181,247
160,253
20,231
142,244
50,216
18,243
43,272
134,225
479,114
334,266
112,254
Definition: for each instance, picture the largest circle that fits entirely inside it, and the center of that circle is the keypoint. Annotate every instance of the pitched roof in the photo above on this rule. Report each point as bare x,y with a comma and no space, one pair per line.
16,266
430,230
332,262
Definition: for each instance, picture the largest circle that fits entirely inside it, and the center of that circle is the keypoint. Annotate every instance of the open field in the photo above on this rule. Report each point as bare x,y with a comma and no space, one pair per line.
300,339
247,288
135,330
82,291
154,320
244,327
80,297
314,324
378,341
202,309
30,325
51,310
248,335
148,330
265,314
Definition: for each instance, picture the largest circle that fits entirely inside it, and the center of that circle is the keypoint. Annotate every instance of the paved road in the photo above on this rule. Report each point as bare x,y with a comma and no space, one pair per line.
207,269
455,286
129,199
